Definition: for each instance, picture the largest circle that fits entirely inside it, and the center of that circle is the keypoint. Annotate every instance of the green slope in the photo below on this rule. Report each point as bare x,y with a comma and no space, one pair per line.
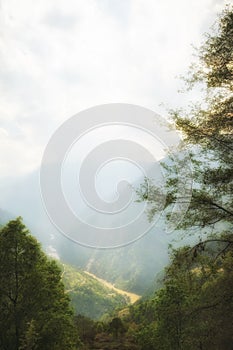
89,296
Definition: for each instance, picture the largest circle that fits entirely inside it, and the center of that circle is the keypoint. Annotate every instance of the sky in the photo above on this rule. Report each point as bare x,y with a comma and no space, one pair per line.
60,57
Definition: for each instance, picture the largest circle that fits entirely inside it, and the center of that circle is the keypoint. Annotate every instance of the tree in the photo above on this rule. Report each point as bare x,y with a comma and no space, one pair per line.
116,327
207,130
194,309
87,328
30,339
34,309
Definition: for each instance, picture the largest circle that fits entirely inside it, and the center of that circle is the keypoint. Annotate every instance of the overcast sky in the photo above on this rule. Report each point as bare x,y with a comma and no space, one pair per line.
59,57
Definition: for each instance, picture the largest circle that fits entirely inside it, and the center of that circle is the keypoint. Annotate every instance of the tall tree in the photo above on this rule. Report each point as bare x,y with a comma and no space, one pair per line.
34,309
208,133
194,310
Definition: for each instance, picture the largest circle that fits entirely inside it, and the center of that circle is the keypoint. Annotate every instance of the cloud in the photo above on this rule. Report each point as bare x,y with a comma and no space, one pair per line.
119,9
60,57
58,19
3,132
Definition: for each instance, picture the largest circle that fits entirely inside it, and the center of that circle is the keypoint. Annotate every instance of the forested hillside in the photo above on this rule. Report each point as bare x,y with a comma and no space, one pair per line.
89,297
194,303
194,308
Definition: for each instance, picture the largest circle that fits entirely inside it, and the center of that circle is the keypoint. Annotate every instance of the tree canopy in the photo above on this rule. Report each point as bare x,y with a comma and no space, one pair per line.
207,130
34,308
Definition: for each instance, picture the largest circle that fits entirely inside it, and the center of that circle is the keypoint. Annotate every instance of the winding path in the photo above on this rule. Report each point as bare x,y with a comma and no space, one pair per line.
133,297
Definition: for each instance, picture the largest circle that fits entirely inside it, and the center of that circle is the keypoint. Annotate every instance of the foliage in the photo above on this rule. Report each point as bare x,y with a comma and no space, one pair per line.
34,309
116,327
207,132
87,328
194,304
194,308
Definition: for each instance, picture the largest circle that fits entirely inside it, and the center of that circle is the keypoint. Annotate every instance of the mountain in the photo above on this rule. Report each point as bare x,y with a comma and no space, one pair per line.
132,267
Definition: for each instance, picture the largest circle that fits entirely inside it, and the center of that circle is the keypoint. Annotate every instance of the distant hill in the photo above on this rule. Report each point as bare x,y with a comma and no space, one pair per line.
89,297
133,268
